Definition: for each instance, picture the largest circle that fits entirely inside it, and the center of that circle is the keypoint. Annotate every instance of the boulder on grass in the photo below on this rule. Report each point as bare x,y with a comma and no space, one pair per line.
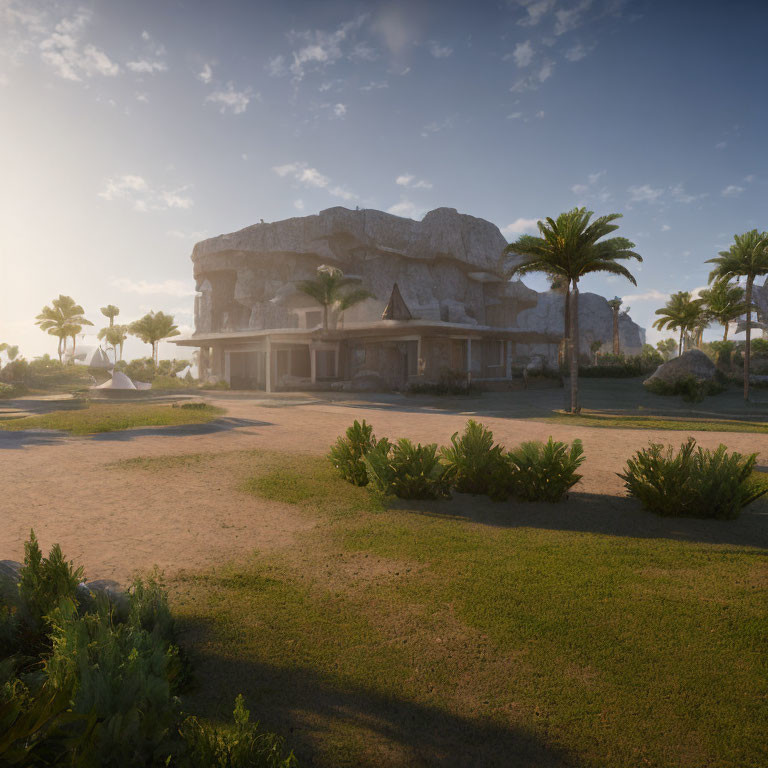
693,363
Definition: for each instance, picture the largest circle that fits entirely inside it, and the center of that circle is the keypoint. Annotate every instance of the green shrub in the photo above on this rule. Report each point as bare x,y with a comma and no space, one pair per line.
7,391
538,471
102,687
348,452
759,347
694,483
406,470
692,389
242,746
44,582
471,459
220,384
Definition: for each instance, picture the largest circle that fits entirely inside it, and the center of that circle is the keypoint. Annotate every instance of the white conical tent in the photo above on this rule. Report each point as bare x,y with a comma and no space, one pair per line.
118,381
97,358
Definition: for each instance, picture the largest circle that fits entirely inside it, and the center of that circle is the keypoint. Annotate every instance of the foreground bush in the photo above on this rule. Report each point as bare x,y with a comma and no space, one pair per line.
406,470
472,459
537,471
693,483
348,452
90,680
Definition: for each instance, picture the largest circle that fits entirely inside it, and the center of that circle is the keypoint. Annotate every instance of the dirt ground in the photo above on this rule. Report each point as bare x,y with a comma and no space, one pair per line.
116,522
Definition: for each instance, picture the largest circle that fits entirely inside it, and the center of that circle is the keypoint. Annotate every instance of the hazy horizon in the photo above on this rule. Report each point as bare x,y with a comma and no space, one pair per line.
134,130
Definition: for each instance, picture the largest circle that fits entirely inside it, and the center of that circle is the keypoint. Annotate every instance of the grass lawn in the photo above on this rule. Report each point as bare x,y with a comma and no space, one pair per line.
111,417
467,633
656,421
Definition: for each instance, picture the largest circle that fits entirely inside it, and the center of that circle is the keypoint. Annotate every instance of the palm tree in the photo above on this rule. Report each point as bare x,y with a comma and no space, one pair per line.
110,311
12,351
570,248
560,285
682,312
615,305
153,328
326,290
666,347
747,257
724,302
63,319
115,336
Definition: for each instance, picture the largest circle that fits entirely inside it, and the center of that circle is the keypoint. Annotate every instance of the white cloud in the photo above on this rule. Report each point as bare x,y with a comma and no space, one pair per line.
64,50
540,114
436,127
520,226
140,96
405,208
205,75
732,190
363,52
532,82
579,189
721,145
514,116
570,18
439,51
665,227
316,49
652,295
276,66
137,191
146,67
231,100
298,204
375,85
523,53
535,10
311,178
644,194
679,195
176,288
577,52
339,110
409,180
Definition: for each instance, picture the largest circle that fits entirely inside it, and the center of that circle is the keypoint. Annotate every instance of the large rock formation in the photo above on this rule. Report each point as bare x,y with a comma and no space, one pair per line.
595,322
692,363
449,267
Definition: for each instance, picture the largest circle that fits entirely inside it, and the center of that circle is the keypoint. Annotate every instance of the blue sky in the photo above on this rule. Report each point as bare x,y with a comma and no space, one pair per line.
131,130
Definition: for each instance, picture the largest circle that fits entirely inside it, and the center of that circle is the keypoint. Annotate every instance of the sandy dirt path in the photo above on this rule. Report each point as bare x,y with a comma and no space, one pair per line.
115,522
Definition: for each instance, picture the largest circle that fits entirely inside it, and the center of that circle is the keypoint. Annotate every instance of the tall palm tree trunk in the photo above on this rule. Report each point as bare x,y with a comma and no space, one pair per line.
680,345
574,347
564,358
748,341
725,335
616,348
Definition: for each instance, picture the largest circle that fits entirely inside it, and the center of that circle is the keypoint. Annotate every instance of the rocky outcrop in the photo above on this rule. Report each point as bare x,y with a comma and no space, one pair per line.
595,322
692,363
448,267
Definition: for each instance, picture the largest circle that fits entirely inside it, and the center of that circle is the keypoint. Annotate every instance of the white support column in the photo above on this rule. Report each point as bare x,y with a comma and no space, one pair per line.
313,364
227,367
508,360
336,360
268,362
469,357
419,362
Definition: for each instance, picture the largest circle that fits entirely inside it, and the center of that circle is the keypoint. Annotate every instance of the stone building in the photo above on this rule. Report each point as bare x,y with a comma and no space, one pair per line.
439,304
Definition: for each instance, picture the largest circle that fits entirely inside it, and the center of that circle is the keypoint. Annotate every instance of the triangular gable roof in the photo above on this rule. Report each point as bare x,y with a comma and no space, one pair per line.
396,308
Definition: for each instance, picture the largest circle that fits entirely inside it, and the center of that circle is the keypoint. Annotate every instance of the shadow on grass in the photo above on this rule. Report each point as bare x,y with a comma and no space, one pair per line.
314,714
601,514
33,437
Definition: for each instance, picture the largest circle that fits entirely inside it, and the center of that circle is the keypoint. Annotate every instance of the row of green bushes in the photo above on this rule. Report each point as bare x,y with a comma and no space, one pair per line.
471,464
88,679
691,389
692,483
623,366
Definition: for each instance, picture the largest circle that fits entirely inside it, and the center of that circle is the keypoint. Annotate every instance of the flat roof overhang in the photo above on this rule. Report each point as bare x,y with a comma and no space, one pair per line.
383,328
